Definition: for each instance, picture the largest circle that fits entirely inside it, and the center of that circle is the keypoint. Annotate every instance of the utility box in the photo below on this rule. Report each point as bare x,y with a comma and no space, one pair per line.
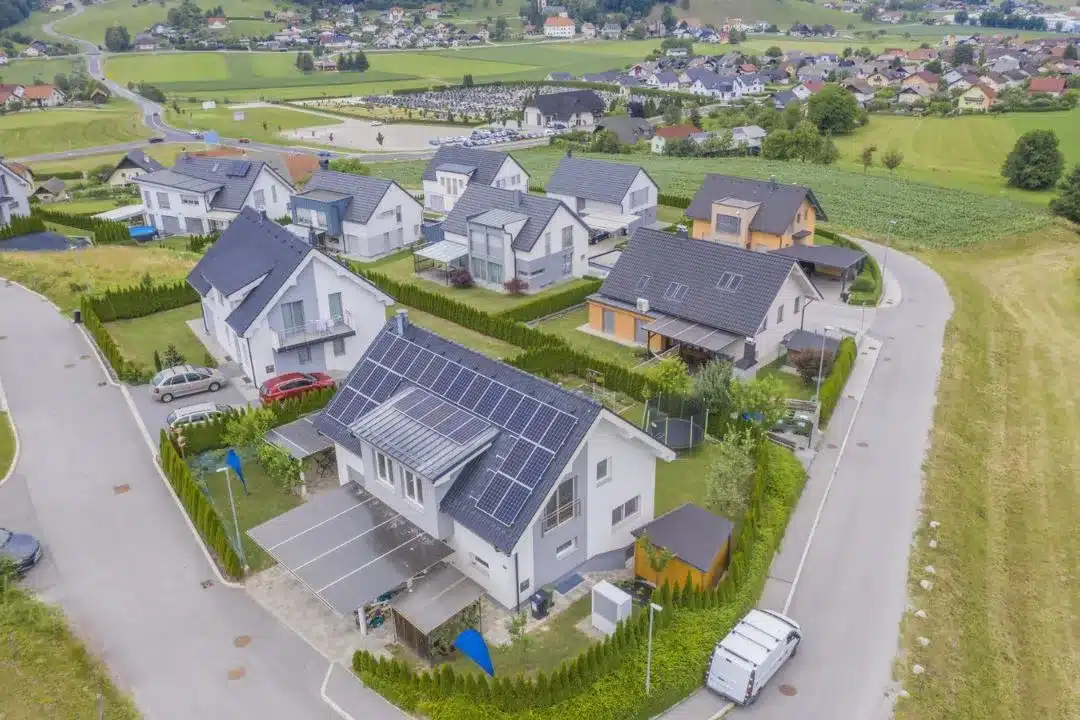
610,606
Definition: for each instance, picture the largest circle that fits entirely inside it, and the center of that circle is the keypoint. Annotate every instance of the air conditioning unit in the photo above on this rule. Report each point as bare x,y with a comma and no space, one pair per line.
643,305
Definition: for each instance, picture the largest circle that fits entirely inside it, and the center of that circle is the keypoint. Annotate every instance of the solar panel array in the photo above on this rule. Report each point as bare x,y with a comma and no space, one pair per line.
238,168
438,415
538,429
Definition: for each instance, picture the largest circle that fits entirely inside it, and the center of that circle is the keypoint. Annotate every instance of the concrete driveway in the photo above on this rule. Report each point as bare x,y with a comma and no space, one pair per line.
120,558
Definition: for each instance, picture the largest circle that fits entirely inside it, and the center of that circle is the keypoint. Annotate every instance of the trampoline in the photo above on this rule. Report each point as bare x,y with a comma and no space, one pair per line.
677,433
142,233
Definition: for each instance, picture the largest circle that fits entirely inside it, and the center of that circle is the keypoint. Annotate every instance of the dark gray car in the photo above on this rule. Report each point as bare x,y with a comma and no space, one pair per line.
20,548
181,380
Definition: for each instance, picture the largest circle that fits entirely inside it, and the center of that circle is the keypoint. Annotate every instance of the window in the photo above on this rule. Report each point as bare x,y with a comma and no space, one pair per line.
728,224
189,200
547,243
476,243
798,217
303,216
479,563
779,314
642,283
603,471
640,334
729,281
495,273
580,206
273,193
567,262
639,198
147,197
627,510
764,324
260,199
566,548
798,303
413,490
303,355
416,231
568,237
397,212
339,347
163,200
292,314
524,585
269,369
495,245
336,311
384,468
608,321
562,506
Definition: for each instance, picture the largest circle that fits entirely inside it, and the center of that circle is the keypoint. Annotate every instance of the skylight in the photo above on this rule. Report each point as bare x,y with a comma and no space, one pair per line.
729,281
643,283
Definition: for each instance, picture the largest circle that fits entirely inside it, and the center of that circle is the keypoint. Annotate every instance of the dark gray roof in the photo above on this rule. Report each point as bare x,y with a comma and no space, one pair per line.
54,185
784,98
367,192
140,159
234,176
486,162
593,179
800,340
829,255
607,76
253,246
667,77
629,130
477,385
779,202
561,76
693,534
479,199
653,261
562,105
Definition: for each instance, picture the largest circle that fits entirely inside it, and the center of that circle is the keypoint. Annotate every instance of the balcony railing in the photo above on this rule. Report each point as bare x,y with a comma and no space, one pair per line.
560,515
314,331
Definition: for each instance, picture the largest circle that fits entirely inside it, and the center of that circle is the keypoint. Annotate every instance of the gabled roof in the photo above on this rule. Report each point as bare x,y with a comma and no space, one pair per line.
629,130
53,186
779,202
676,132
366,192
564,104
141,160
537,425
1047,84
479,199
487,163
597,180
234,178
39,92
691,533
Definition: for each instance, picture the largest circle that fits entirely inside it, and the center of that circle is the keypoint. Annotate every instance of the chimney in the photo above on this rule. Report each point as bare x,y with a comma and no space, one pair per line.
401,321
324,163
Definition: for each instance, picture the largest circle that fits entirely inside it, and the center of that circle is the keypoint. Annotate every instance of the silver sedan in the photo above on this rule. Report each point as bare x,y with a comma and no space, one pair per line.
180,380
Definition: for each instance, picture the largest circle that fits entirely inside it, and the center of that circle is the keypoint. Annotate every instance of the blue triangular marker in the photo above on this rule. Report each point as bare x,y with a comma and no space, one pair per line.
471,644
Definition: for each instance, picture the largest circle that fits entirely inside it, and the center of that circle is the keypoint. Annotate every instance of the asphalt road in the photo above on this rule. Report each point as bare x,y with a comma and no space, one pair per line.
123,563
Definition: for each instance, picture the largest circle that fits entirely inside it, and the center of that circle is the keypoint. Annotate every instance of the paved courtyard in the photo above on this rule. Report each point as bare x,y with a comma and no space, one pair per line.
358,134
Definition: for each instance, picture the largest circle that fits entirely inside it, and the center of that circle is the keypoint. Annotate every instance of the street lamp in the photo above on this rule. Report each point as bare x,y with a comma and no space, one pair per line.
821,361
648,658
888,244
236,524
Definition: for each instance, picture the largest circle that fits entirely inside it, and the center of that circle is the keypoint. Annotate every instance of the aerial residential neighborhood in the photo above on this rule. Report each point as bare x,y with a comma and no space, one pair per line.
518,359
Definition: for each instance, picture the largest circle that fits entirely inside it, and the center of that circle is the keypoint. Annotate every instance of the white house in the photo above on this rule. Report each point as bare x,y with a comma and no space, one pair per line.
573,108
357,216
199,195
275,304
501,478
455,168
558,27
135,163
14,194
607,196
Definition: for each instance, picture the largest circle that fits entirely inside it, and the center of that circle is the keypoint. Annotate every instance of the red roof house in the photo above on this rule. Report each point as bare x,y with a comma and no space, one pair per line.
1048,85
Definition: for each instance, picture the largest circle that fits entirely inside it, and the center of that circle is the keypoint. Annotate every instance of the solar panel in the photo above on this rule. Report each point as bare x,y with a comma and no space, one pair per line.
506,406
380,346
512,503
515,459
466,432
493,493
340,402
394,352
418,365
422,408
473,393
457,388
540,422
386,388
453,422
373,380
534,469
446,377
238,168
432,371
403,361
560,428
643,282
491,398
438,414
521,417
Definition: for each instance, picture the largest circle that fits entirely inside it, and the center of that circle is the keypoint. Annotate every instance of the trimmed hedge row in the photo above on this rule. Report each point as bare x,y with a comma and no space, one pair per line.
22,225
141,300
606,682
201,511
834,383
126,370
555,360
868,286
675,201
105,232
553,302
67,175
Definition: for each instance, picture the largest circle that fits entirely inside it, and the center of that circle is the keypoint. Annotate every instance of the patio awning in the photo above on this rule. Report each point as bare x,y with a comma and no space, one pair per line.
444,251
121,214
609,223
436,598
689,333
347,547
299,438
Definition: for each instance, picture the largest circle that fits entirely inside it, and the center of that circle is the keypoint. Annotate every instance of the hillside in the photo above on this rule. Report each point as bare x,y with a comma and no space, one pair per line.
781,12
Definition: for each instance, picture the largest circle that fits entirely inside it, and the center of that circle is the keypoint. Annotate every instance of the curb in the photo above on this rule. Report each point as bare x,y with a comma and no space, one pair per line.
14,434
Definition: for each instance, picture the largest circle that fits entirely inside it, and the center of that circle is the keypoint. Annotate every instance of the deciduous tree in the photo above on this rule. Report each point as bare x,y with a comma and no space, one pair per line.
670,375
730,474
833,110
1035,162
1067,203
892,159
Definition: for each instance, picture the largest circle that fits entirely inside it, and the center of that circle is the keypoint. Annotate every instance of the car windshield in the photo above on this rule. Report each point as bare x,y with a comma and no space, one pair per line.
171,417
157,379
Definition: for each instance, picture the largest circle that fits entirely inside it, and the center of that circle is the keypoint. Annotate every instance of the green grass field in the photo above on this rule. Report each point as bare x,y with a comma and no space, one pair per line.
566,326
165,152
964,152
30,71
32,132
138,338
262,124
781,12
92,23
32,24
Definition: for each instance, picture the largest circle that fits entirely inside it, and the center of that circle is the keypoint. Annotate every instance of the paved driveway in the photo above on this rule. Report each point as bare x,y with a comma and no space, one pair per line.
124,566
153,413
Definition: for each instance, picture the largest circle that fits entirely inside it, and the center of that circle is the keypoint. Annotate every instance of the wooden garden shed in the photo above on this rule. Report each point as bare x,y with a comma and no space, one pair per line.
698,540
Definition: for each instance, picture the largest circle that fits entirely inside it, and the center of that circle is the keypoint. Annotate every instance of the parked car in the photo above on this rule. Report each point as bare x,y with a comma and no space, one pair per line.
750,655
180,380
291,385
21,549
202,412
244,140
157,139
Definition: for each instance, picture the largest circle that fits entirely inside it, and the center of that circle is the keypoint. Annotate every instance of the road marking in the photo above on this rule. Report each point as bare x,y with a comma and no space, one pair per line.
14,434
326,698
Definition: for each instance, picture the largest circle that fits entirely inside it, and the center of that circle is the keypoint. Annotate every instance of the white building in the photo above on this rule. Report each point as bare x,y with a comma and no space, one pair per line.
455,168
275,304
200,195
14,195
357,216
135,163
607,196
559,27
573,108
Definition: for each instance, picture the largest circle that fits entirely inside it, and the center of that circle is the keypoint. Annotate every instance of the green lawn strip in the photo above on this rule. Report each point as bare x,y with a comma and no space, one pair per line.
793,383
566,326
47,672
483,344
66,230
33,132
138,338
7,443
275,119
93,206
685,479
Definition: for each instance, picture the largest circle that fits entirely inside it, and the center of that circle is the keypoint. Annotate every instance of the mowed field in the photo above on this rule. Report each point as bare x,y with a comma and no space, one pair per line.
92,23
262,124
964,152
29,72
1002,475
30,132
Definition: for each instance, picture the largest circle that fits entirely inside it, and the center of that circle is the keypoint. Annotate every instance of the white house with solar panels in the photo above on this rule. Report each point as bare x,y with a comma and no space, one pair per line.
462,476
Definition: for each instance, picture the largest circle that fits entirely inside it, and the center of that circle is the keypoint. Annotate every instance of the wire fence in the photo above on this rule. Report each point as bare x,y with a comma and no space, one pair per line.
678,422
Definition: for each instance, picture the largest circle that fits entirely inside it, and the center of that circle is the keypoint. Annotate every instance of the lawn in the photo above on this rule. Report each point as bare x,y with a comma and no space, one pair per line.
138,338
33,71
31,25
45,671
33,132
92,207
1001,478
261,124
793,384
164,152
566,326
483,344
92,23
964,152
7,443
63,276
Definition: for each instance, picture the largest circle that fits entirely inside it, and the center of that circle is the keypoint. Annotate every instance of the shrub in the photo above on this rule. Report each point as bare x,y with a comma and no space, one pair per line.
675,201
551,303
126,370
833,385
516,286
863,283
105,232
22,225
868,286
199,243
172,357
141,300
809,362
461,278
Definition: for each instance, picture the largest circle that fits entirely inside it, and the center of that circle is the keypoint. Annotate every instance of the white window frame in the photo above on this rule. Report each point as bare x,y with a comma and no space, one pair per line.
339,347
189,200
798,302
621,513
606,477
384,469
779,314
566,548
414,493
480,564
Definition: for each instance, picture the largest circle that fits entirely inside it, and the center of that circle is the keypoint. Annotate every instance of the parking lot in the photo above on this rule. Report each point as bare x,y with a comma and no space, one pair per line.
153,412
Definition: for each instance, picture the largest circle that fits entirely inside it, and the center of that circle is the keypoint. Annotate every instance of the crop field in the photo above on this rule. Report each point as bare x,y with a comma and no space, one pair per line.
781,12
262,124
92,23
32,132
964,152
28,72
926,215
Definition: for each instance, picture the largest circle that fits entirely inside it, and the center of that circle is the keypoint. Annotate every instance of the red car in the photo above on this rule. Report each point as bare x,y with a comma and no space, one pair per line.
292,385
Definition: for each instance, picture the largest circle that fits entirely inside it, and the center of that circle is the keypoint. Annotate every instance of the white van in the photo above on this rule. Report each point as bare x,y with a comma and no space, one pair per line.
751,654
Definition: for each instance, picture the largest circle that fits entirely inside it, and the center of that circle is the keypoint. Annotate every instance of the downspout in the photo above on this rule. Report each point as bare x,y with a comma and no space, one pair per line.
254,379
517,586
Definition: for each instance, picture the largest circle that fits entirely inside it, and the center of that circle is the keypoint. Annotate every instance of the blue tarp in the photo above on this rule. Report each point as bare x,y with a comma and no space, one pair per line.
40,241
142,232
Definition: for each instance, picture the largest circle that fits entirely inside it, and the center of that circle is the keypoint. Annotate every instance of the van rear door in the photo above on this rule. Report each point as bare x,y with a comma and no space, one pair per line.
730,675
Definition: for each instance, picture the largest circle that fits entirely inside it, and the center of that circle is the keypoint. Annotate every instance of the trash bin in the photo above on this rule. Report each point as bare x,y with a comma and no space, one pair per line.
77,316
540,603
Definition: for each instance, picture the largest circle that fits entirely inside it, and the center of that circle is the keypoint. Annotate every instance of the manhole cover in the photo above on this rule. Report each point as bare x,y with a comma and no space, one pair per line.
831,446
863,444
102,383
120,489
242,641
68,366
84,357
237,673
788,690
207,584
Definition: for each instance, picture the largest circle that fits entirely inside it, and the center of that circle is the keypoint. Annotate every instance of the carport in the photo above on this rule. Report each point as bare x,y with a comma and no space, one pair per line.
837,262
301,440
610,224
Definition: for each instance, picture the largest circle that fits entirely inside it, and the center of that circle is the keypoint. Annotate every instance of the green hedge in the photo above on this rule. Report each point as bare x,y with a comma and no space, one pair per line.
201,511
554,360
141,300
606,682
675,201
105,232
21,225
125,369
67,174
553,302
868,286
833,385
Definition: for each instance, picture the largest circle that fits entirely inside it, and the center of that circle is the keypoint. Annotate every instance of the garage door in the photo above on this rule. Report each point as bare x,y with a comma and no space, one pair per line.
171,225
348,547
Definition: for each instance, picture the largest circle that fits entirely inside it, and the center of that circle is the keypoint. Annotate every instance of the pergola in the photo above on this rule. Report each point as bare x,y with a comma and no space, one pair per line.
444,254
